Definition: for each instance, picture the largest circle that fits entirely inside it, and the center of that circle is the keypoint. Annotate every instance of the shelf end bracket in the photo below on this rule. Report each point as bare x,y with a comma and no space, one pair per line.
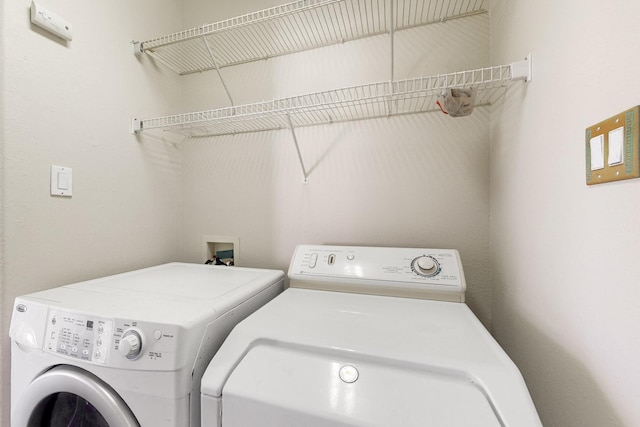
136,126
522,70
137,48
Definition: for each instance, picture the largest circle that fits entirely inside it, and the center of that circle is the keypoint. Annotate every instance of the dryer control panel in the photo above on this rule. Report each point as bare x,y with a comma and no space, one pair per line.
401,272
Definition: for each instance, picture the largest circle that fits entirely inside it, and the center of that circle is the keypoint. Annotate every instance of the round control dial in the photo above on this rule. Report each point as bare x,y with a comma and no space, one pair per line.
425,266
130,344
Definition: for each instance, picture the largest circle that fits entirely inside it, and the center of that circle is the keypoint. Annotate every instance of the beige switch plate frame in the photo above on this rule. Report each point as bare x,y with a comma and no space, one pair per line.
630,168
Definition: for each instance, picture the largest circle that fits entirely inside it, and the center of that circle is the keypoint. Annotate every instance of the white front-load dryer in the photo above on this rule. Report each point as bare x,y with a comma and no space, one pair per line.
127,350
375,337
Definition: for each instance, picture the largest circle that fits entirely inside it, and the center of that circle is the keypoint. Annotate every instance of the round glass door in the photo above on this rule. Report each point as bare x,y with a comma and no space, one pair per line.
66,410
67,396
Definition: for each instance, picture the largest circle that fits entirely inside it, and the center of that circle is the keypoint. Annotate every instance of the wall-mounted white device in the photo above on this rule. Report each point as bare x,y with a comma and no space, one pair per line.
61,181
51,22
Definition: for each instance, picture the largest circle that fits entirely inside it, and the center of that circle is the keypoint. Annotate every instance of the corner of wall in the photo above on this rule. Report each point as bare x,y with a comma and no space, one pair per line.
4,416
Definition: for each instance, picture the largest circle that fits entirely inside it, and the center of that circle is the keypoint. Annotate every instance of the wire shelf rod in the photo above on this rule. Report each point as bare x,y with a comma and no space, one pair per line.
236,22
299,26
409,96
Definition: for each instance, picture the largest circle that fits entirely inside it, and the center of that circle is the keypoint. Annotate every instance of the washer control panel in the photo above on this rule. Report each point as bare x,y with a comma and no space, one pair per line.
403,272
78,335
109,341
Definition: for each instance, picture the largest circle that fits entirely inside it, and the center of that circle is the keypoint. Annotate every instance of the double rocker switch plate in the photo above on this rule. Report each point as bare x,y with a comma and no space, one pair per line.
611,148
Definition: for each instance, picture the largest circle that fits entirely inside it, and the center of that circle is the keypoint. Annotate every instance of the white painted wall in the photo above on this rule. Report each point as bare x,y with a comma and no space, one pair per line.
565,296
70,105
565,256
406,181
3,325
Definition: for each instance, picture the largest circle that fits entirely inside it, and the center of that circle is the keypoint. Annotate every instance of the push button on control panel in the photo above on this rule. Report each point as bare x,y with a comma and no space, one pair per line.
313,261
78,336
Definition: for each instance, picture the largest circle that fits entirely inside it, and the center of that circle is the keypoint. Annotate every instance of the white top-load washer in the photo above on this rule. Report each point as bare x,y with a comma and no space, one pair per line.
127,350
337,349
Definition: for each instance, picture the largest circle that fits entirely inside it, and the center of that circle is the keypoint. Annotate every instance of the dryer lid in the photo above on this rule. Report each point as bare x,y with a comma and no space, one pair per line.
439,344
275,386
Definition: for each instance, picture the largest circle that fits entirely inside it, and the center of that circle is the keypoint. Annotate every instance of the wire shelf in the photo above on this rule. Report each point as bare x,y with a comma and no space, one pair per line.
410,96
295,27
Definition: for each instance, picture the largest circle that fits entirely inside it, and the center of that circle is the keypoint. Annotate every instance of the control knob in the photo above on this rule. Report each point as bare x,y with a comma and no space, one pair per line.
130,344
425,266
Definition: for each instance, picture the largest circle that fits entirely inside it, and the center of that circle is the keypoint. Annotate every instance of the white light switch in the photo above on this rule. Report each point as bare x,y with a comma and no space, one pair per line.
616,143
61,182
597,152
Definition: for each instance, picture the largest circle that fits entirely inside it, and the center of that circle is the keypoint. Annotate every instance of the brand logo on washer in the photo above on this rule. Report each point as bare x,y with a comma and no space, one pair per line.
21,308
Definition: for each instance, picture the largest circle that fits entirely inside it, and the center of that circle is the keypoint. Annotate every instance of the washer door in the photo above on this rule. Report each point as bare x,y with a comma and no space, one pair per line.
71,397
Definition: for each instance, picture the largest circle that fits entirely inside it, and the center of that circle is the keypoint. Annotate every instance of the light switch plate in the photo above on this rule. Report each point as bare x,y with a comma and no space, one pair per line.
621,131
61,181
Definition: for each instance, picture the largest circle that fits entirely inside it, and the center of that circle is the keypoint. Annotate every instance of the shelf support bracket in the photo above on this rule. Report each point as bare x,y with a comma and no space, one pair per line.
391,59
136,126
215,64
295,141
522,70
391,41
137,48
